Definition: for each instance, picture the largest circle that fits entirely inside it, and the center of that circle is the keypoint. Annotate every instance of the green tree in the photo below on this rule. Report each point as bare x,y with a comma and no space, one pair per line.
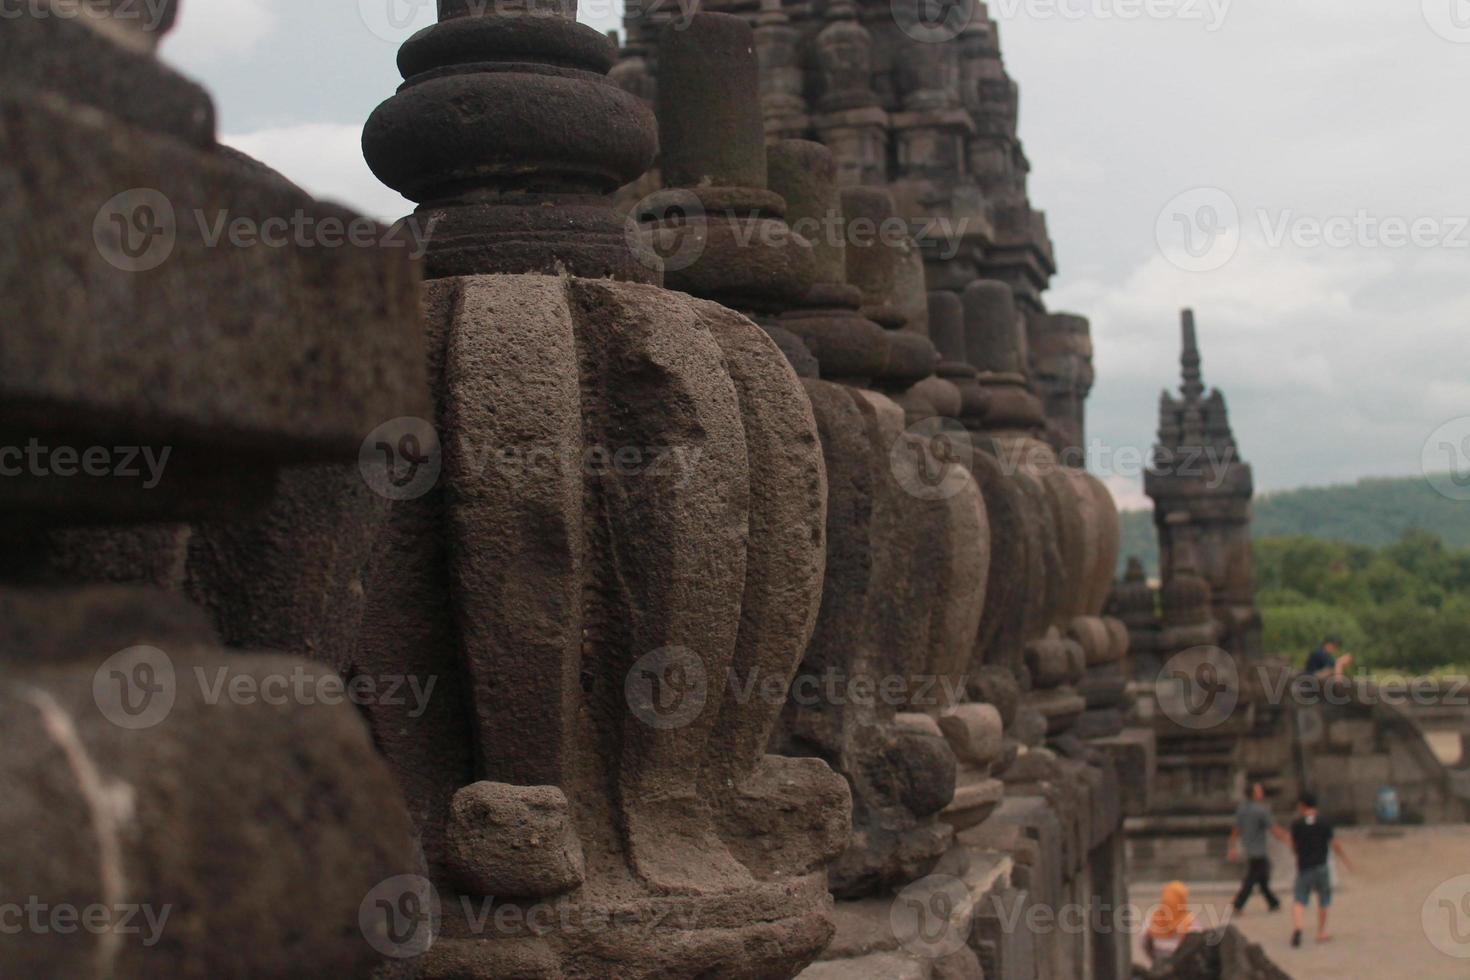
1296,630
1404,607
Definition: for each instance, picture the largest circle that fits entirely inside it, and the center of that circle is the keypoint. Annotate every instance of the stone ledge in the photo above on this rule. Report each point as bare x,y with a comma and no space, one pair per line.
293,353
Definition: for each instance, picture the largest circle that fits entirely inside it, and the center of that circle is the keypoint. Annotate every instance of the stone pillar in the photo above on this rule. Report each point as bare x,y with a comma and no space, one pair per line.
170,806
849,118
1053,661
1015,571
619,504
879,618
883,262
1061,364
782,79
847,346
524,192
724,231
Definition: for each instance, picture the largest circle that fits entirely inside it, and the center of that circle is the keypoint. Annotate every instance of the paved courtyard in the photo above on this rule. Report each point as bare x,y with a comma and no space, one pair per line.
1379,917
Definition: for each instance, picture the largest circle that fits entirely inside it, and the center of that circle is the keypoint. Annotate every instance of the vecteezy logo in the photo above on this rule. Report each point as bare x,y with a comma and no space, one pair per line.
1445,459
401,459
1199,688
400,917
668,230
135,688
931,459
933,21
136,231
926,916
1450,19
1446,918
396,20
1199,231
667,688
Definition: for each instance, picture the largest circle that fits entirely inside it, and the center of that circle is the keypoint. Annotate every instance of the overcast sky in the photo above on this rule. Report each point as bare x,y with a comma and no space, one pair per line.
1298,171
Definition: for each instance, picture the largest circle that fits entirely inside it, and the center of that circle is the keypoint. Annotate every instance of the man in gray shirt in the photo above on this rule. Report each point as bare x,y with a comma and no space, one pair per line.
1254,826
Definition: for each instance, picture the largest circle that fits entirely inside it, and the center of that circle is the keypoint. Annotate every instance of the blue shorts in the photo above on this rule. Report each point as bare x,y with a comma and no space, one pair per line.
1318,880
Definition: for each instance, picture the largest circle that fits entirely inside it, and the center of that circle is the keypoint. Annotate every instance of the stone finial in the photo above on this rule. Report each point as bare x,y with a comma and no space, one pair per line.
911,292
947,326
509,134
1134,572
947,331
1189,359
631,73
993,328
1061,366
709,113
714,171
882,261
845,55
805,175
872,257
994,340
782,79
848,346
911,355
1133,599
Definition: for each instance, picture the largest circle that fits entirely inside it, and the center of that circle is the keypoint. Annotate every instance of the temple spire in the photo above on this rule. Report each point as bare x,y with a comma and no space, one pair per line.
1189,361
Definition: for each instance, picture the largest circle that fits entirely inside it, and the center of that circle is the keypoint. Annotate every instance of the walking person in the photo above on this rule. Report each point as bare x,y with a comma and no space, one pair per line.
1254,826
1313,840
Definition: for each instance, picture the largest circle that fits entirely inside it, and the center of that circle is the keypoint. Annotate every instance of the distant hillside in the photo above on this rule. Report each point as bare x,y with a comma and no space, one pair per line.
1373,512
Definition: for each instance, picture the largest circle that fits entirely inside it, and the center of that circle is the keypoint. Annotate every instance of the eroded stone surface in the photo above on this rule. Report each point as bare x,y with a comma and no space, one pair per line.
152,771
513,840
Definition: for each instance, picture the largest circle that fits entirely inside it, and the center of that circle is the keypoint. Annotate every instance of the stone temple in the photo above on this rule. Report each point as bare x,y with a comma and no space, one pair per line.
1222,714
665,554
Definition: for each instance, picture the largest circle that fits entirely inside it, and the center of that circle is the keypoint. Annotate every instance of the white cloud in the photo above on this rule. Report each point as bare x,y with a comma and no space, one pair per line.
208,30
326,160
1337,362
1127,492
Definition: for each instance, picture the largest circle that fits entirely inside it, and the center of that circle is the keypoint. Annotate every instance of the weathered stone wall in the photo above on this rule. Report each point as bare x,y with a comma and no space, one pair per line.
628,759
1357,739
925,132
152,824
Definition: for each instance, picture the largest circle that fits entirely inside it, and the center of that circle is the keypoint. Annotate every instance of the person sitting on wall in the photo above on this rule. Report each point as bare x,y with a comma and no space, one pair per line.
1170,922
1325,661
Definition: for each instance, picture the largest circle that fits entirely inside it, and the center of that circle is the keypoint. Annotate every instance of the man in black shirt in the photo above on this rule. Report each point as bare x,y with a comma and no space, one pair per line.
1325,661
1313,841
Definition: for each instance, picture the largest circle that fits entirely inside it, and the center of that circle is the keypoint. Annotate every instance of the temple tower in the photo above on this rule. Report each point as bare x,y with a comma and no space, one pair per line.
1197,472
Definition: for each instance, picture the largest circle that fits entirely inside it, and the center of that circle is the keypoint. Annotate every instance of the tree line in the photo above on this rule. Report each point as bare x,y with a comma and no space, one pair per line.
1401,608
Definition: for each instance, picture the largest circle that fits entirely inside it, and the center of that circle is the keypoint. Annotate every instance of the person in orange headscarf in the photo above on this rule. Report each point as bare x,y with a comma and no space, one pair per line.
1170,923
